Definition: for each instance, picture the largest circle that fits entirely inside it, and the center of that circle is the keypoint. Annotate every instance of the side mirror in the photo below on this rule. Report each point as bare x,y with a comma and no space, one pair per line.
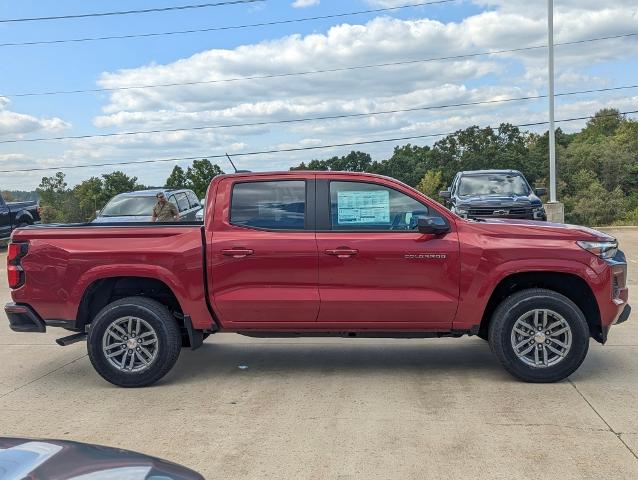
446,194
432,225
540,191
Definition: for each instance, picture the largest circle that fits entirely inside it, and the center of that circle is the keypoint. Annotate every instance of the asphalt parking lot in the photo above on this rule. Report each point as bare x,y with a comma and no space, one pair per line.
340,408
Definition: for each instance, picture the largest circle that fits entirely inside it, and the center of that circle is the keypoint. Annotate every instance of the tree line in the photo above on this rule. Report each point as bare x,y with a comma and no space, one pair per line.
597,170
61,204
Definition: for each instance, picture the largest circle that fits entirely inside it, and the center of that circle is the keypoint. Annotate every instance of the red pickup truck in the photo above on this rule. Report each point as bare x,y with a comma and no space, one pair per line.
318,253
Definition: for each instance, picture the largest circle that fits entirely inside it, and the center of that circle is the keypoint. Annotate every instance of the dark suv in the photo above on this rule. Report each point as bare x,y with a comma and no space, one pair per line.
494,193
138,206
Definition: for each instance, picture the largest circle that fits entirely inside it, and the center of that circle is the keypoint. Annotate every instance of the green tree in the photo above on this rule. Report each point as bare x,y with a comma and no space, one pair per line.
90,196
54,198
408,164
177,178
355,161
118,182
604,124
591,204
431,184
200,174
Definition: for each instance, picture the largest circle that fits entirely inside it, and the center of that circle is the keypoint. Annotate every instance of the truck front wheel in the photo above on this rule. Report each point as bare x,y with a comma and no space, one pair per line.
133,342
539,335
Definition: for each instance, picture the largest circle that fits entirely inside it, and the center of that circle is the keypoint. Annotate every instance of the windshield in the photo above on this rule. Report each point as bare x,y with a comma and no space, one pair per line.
124,206
500,184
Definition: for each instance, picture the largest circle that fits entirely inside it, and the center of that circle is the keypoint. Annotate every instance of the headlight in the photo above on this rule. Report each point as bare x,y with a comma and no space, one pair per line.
538,212
461,212
601,249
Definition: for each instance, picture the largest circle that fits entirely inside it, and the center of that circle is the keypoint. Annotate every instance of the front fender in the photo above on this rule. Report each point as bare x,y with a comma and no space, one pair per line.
479,283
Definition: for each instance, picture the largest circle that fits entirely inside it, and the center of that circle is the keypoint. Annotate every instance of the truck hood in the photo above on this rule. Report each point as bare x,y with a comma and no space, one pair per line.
533,228
498,201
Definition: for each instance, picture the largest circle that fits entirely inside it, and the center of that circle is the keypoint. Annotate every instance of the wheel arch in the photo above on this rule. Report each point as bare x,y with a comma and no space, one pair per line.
570,285
106,290
23,216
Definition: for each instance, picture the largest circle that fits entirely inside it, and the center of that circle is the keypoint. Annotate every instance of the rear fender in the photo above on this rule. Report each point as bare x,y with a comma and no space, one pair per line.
190,306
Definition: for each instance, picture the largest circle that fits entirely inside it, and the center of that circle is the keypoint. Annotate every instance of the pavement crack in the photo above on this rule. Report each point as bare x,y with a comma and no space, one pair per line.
42,376
618,434
573,427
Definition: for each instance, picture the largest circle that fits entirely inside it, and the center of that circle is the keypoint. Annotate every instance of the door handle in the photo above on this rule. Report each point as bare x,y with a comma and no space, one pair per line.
237,252
342,252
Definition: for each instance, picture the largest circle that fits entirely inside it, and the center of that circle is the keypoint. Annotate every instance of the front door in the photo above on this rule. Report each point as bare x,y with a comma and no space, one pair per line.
376,271
264,253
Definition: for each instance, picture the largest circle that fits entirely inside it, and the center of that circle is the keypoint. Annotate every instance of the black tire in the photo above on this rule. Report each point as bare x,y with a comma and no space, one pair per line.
166,330
517,305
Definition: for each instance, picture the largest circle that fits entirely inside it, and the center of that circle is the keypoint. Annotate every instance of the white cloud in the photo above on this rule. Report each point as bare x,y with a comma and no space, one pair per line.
305,3
21,123
502,25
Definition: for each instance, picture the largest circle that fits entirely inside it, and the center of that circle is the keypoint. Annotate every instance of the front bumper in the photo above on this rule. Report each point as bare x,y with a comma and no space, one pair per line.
23,318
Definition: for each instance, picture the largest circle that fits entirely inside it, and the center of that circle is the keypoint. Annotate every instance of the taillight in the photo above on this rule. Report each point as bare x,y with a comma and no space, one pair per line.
15,272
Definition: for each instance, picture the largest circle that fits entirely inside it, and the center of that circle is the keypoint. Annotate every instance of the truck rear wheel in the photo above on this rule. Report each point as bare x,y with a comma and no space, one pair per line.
134,342
539,335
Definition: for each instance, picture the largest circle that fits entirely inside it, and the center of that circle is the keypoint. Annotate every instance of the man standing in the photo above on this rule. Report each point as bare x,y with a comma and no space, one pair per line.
164,211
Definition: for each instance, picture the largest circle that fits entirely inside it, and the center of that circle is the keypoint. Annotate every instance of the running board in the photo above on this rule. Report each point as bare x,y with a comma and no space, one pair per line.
71,339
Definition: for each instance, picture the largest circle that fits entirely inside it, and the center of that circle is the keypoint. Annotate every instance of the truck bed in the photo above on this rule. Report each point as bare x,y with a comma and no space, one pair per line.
62,265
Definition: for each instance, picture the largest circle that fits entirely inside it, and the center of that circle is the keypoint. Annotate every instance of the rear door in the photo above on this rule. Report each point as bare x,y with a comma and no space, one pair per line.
182,205
376,271
263,253
194,206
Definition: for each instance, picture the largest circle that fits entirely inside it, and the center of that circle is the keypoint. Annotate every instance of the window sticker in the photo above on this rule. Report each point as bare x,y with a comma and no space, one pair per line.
363,207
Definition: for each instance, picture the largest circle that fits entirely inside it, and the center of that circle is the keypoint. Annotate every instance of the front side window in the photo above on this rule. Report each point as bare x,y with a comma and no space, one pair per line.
366,206
271,205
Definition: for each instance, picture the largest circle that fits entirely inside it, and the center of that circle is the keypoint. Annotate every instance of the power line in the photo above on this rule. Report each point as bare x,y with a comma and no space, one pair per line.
222,28
313,119
293,149
129,12
314,72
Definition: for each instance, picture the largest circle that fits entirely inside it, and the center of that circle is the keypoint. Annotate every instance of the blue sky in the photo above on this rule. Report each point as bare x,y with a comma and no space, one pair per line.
447,29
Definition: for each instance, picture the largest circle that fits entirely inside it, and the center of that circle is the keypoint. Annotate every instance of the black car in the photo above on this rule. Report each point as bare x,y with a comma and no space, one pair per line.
138,206
17,214
494,193
64,460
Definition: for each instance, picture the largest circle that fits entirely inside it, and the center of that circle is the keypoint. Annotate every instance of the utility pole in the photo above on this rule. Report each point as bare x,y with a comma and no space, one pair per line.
555,210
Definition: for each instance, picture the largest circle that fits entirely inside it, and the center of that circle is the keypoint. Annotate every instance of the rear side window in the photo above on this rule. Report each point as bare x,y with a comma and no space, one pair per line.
276,205
367,206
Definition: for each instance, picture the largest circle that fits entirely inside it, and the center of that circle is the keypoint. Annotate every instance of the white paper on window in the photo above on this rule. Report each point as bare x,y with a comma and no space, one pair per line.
363,207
